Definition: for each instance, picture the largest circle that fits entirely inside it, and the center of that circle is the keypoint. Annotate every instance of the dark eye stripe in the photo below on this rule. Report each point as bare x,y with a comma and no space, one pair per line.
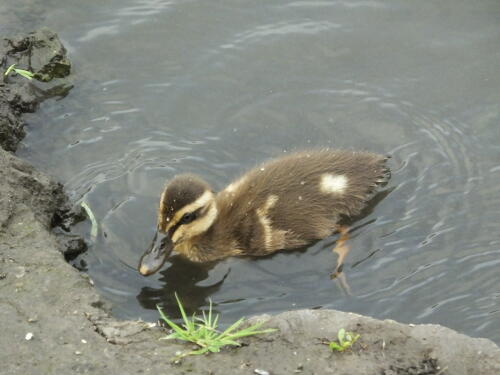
187,218
172,230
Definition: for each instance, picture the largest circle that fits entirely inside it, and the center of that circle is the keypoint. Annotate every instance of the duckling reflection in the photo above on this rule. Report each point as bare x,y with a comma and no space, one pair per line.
182,278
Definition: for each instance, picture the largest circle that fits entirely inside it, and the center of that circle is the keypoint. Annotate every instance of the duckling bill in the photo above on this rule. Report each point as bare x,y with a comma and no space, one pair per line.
283,204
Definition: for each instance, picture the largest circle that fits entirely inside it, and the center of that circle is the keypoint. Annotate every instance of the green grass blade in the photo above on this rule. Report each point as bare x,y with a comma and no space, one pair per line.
210,312
90,214
188,323
178,331
334,346
191,323
249,331
215,348
216,321
205,333
171,324
197,352
181,308
25,73
341,335
232,327
162,314
9,69
230,343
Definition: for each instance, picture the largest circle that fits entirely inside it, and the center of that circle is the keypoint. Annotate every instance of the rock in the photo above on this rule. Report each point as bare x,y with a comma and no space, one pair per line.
118,332
11,125
20,183
384,347
42,53
71,246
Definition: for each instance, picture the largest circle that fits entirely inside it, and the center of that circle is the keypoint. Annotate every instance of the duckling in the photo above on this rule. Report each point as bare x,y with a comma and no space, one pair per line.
285,203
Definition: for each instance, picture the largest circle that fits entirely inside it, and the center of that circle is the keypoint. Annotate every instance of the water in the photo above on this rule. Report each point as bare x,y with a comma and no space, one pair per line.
163,87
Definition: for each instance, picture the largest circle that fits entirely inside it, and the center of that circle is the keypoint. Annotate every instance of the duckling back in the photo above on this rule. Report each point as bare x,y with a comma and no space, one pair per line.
288,202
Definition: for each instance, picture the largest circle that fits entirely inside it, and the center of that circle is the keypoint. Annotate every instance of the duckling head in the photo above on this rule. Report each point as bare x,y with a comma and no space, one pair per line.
187,209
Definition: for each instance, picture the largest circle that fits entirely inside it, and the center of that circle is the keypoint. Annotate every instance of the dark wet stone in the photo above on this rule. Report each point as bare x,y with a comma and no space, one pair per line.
72,246
42,53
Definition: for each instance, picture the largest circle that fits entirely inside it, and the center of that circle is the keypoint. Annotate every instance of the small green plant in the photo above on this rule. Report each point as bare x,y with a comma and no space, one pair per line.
203,331
345,340
25,73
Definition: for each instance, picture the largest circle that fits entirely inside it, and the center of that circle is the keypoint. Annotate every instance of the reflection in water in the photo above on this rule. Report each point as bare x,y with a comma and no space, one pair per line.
181,277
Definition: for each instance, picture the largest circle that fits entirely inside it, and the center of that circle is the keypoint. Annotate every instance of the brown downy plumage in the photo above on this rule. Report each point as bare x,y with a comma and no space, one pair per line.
284,203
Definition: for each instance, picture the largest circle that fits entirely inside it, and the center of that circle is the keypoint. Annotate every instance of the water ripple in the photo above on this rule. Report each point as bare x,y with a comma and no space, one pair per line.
262,32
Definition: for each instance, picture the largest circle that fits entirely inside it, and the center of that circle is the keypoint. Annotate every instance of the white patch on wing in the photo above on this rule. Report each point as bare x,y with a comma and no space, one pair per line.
264,220
333,183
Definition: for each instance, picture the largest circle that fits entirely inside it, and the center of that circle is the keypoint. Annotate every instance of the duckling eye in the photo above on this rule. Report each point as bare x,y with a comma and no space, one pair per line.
187,218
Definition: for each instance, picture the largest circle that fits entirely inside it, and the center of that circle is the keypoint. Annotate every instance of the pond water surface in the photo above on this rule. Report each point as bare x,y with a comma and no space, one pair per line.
214,87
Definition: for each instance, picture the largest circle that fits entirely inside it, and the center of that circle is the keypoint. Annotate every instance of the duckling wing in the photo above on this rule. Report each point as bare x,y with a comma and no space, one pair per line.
291,201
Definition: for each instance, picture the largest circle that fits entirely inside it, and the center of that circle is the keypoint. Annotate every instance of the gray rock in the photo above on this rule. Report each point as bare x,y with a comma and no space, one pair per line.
42,53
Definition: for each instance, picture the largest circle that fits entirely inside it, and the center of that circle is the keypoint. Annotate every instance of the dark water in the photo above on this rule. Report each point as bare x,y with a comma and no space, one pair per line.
163,87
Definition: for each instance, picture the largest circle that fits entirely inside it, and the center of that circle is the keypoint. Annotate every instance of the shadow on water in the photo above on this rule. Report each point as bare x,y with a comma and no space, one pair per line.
181,277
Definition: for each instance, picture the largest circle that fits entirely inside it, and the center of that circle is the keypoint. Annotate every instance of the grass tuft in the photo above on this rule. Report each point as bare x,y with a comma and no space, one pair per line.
203,332
345,340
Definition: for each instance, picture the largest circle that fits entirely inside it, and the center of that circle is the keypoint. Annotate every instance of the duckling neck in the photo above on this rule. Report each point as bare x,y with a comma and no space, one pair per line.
216,241
207,221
